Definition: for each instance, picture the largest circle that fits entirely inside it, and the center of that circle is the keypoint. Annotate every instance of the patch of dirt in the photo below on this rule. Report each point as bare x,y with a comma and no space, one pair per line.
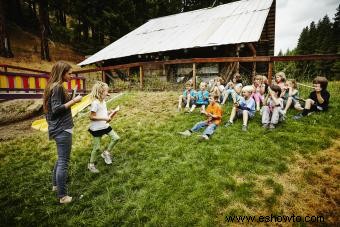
312,185
17,129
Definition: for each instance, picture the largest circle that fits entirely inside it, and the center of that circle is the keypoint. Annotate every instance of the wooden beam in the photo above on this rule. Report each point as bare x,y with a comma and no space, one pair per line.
221,59
194,75
141,75
22,68
270,72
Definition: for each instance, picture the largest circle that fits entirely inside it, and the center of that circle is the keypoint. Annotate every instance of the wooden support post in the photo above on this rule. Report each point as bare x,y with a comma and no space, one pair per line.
270,72
238,55
141,75
254,69
164,73
128,73
253,50
194,75
103,76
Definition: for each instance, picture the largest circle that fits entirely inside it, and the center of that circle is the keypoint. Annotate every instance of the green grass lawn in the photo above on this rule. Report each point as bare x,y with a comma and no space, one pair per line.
159,178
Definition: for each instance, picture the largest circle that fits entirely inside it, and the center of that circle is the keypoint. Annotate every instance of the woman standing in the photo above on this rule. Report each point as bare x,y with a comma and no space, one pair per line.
57,107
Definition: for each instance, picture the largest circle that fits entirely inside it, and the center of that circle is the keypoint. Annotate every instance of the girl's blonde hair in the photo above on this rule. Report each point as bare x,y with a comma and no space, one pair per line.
259,77
248,88
57,74
282,75
98,90
293,81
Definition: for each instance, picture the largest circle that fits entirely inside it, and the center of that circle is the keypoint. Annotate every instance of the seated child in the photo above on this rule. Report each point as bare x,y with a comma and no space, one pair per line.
271,110
217,88
202,97
318,99
214,116
187,99
229,88
280,79
245,108
258,91
291,96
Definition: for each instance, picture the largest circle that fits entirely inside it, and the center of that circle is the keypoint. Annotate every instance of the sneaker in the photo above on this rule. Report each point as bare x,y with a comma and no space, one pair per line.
185,133
107,157
271,126
54,188
244,128
66,199
228,124
204,137
297,117
265,125
92,168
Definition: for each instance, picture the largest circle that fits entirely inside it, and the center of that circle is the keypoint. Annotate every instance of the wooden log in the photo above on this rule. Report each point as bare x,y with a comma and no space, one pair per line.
141,76
270,72
194,75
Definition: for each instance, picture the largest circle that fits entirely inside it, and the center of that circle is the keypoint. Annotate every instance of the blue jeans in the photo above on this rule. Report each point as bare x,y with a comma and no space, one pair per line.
208,131
59,177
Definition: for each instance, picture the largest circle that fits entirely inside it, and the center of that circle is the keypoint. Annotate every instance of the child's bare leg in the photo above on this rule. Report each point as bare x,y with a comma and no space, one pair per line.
258,106
288,104
188,101
298,106
232,114
192,108
245,117
180,100
308,104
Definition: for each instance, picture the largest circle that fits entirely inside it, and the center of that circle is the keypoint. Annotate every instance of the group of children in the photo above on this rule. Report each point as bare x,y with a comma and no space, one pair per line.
271,101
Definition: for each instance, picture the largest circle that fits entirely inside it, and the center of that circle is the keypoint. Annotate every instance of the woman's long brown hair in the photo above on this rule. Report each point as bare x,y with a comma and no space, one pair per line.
56,79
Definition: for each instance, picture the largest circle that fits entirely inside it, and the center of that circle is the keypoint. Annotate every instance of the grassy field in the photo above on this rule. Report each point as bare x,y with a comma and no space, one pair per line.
159,178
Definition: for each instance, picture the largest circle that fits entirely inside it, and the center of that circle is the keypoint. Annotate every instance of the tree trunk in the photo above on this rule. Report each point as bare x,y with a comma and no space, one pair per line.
5,47
44,30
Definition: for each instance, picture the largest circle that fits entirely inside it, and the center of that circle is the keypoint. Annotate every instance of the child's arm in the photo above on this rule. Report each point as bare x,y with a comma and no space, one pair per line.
113,112
276,100
93,117
318,95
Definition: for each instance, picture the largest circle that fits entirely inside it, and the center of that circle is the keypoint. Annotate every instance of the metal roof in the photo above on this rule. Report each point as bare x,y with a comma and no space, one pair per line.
236,22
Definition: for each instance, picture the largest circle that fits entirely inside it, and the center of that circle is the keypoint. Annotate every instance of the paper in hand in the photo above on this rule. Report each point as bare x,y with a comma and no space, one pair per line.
74,91
114,111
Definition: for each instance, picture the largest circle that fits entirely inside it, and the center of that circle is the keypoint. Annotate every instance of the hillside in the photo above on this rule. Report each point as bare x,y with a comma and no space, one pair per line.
26,49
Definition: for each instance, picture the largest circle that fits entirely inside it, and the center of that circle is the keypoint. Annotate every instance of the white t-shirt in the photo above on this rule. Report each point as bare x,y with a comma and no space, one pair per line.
101,111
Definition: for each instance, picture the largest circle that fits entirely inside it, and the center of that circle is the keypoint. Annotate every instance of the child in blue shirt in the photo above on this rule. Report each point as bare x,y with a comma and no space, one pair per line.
187,99
202,97
245,108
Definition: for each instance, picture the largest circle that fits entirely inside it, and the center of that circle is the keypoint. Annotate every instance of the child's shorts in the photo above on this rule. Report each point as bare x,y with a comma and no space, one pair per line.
201,104
192,102
239,113
100,133
316,108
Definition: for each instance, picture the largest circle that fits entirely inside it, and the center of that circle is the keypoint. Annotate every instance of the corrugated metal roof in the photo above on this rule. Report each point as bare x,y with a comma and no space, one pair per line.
236,22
